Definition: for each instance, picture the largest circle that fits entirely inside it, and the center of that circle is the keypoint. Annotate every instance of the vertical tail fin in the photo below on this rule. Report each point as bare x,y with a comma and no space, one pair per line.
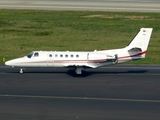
141,40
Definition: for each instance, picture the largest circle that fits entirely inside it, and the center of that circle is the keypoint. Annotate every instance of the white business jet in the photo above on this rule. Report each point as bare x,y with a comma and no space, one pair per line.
136,49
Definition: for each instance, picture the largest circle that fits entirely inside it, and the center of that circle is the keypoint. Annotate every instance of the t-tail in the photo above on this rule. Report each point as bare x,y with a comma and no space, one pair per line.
140,42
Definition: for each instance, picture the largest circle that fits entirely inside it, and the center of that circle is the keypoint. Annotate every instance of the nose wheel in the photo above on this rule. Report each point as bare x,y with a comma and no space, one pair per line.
21,71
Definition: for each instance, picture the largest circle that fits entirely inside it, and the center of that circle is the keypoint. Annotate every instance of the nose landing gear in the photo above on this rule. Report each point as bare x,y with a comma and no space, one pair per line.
21,71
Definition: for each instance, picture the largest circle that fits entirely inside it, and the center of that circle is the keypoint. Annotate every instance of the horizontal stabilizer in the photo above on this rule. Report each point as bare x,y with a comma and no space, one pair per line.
135,50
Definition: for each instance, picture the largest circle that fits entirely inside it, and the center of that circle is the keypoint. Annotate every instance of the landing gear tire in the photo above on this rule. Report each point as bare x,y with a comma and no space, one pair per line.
78,71
21,71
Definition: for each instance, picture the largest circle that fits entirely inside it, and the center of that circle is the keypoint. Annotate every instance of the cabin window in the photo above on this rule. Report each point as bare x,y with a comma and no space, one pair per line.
61,55
71,56
66,56
77,56
50,55
36,54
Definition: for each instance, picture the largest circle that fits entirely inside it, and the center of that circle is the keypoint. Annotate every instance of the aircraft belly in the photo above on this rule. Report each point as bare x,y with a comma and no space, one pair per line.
58,65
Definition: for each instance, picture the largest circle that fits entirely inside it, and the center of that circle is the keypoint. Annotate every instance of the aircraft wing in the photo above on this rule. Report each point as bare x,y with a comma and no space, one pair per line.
79,65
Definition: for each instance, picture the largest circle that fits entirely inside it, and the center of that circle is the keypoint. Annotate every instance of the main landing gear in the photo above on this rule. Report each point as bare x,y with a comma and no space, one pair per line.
78,71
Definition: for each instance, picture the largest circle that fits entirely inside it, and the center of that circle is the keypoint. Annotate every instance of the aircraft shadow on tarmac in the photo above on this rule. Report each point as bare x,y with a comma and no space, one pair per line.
85,73
88,73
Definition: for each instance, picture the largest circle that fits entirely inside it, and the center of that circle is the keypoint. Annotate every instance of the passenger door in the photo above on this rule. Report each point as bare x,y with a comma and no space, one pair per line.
50,61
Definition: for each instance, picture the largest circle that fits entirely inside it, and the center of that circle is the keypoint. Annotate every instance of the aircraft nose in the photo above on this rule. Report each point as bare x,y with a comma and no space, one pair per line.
8,63
11,63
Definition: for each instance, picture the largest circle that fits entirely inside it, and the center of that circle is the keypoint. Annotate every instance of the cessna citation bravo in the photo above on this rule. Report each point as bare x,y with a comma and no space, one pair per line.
136,49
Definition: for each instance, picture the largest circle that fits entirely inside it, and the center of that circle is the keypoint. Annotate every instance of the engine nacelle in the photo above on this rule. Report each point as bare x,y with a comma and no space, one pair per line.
101,57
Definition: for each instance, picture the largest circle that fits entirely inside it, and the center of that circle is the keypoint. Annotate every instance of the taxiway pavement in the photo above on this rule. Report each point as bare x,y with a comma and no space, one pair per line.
127,92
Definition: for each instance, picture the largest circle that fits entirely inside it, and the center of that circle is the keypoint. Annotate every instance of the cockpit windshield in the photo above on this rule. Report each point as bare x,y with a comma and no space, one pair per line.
30,54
